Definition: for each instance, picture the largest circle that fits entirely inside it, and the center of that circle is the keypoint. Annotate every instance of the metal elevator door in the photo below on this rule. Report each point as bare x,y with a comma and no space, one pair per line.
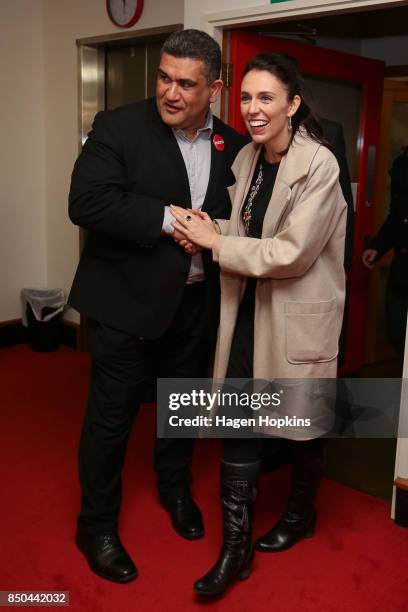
130,72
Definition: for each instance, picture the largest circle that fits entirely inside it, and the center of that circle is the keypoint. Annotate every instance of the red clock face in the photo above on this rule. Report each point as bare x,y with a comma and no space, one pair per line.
124,13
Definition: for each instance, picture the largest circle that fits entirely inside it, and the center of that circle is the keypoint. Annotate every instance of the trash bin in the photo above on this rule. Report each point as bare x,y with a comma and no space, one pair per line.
42,310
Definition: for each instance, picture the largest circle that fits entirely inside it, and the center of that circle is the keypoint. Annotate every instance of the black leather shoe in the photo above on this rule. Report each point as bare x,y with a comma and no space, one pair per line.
106,556
185,516
238,494
231,565
287,532
299,518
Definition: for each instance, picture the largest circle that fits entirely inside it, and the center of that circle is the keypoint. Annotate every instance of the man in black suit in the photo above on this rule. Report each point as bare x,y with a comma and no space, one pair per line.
151,307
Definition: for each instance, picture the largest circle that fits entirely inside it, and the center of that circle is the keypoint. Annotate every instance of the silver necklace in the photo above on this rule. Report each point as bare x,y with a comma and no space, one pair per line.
247,215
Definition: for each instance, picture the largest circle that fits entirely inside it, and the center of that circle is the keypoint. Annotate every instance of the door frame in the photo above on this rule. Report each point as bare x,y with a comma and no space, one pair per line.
214,23
400,488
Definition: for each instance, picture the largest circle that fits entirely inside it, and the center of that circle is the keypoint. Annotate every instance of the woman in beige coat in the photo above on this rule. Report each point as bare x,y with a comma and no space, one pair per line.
282,295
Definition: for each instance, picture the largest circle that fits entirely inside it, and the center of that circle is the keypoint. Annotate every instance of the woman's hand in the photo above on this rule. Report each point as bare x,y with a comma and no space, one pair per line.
196,226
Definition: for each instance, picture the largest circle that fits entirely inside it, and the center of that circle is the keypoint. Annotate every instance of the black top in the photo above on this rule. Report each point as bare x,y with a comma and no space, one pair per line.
240,363
259,196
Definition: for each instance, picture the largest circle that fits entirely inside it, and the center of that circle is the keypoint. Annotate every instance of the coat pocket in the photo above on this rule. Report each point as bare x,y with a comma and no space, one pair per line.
311,331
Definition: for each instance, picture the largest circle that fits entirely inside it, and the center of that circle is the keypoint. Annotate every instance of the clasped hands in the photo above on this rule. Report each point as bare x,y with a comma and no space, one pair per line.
193,229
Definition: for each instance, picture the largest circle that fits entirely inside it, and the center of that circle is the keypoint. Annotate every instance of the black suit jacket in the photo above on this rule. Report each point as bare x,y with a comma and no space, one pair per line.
129,277
333,133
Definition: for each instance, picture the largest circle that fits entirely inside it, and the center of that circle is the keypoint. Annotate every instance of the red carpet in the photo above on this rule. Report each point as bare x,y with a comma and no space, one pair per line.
358,558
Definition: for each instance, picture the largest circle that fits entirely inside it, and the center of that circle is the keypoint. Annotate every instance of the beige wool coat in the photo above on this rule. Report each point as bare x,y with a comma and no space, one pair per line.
301,281
298,262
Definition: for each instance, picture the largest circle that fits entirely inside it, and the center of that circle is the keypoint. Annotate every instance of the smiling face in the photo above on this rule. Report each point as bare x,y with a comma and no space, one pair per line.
266,108
183,93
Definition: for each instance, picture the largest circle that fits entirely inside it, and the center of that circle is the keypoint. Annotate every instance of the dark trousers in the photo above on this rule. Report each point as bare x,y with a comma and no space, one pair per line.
122,365
247,450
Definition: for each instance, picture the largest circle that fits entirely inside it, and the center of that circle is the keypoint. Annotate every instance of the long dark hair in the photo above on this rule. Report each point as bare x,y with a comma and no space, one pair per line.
285,70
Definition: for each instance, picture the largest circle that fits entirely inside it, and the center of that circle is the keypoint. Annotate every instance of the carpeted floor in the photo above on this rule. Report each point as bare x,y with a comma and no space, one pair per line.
358,558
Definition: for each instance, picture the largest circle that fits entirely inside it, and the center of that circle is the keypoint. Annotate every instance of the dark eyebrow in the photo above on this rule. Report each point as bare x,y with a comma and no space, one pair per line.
260,93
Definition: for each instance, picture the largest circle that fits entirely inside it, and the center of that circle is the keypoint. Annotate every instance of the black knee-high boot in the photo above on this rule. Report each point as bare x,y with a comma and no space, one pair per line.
238,494
299,518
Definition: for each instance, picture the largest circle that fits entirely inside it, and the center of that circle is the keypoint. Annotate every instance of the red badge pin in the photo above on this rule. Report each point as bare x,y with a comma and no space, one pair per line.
218,141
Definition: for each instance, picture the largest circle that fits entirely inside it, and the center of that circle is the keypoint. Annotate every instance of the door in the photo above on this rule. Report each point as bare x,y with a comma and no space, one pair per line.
130,73
349,88
393,138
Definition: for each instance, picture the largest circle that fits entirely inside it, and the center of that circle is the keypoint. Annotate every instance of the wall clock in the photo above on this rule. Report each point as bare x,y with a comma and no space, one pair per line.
124,13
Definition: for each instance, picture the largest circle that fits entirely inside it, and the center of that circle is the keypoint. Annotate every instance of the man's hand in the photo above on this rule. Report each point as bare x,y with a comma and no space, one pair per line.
177,236
189,247
369,257
196,227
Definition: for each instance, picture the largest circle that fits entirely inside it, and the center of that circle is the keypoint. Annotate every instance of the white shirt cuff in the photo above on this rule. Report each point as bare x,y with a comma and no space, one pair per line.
167,221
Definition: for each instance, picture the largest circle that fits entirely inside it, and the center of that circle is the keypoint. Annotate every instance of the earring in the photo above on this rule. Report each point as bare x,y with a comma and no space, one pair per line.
289,123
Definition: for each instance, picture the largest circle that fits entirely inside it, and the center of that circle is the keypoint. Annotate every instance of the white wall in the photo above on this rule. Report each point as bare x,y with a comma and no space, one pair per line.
22,153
